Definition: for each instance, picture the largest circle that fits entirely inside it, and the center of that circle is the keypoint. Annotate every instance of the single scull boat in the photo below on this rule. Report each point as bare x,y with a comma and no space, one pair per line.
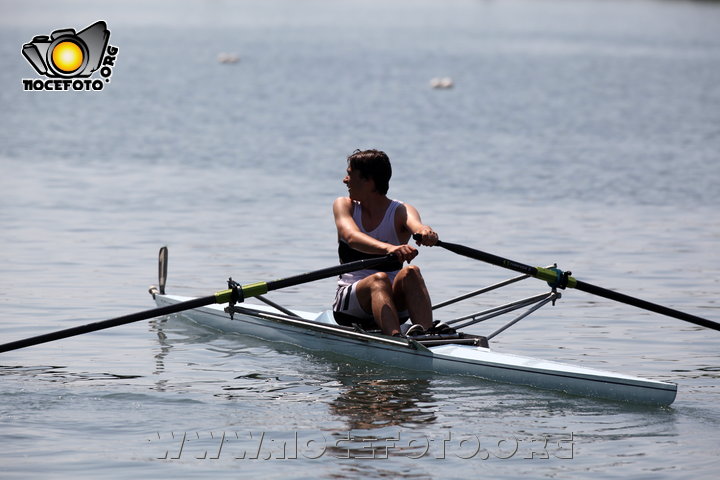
459,353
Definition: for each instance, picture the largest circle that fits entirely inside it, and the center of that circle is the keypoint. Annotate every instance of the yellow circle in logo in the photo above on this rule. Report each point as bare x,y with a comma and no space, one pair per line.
67,56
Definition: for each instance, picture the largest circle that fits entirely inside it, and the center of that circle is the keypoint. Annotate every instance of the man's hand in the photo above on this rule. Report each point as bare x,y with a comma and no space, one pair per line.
429,237
404,253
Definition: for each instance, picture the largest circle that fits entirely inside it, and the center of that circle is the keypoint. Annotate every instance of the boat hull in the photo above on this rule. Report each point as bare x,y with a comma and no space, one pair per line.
317,332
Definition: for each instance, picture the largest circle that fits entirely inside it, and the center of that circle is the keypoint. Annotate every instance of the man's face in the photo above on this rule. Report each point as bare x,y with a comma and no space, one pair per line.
358,187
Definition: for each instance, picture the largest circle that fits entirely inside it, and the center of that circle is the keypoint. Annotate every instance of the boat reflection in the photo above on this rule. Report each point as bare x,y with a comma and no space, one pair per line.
370,396
368,402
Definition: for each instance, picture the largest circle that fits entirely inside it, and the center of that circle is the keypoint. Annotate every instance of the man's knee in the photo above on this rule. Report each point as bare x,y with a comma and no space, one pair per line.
413,271
380,281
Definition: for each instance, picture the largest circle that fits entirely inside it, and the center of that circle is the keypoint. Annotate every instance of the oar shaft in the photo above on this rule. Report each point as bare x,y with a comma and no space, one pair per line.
489,258
551,276
653,307
250,290
113,322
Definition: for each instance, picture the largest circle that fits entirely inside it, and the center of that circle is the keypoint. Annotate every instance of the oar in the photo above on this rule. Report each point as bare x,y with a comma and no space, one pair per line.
230,295
558,278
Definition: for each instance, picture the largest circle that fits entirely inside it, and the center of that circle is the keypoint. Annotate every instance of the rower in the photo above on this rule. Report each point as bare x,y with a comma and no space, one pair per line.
369,224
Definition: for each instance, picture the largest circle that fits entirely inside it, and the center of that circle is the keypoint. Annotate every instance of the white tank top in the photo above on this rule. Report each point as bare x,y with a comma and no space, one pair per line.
385,232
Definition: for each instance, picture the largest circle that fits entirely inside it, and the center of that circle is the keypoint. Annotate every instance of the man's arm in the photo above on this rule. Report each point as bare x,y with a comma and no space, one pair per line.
414,225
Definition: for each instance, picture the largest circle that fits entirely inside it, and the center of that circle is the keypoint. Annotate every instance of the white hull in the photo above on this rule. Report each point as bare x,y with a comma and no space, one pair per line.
318,332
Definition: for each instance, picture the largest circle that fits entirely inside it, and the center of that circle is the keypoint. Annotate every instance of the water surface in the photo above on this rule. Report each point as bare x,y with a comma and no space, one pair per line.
584,133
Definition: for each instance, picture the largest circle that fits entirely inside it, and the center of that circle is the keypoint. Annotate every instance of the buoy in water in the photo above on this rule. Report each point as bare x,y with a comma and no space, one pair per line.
228,58
444,82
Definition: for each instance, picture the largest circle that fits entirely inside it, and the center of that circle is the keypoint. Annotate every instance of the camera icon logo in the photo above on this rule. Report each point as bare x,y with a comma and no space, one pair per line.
67,54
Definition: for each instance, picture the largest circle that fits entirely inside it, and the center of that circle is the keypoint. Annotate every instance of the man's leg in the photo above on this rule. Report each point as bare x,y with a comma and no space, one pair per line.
410,293
375,295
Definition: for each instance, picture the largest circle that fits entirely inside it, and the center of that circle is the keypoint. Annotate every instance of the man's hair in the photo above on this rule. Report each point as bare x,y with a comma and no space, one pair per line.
372,165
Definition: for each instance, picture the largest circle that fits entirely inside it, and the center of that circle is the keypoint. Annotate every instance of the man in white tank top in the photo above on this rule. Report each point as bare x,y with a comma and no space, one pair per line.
371,224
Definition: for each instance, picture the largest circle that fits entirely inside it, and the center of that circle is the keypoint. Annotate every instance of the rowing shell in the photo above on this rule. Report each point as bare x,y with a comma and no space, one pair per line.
465,356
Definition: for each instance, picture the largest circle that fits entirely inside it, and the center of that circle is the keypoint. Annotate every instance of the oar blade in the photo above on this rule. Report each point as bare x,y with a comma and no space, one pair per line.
162,269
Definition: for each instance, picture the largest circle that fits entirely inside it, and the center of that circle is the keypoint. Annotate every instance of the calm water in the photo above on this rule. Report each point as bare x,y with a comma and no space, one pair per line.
580,132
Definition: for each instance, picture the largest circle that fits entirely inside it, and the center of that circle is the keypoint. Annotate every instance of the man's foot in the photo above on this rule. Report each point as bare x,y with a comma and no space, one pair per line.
441,328
415,331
